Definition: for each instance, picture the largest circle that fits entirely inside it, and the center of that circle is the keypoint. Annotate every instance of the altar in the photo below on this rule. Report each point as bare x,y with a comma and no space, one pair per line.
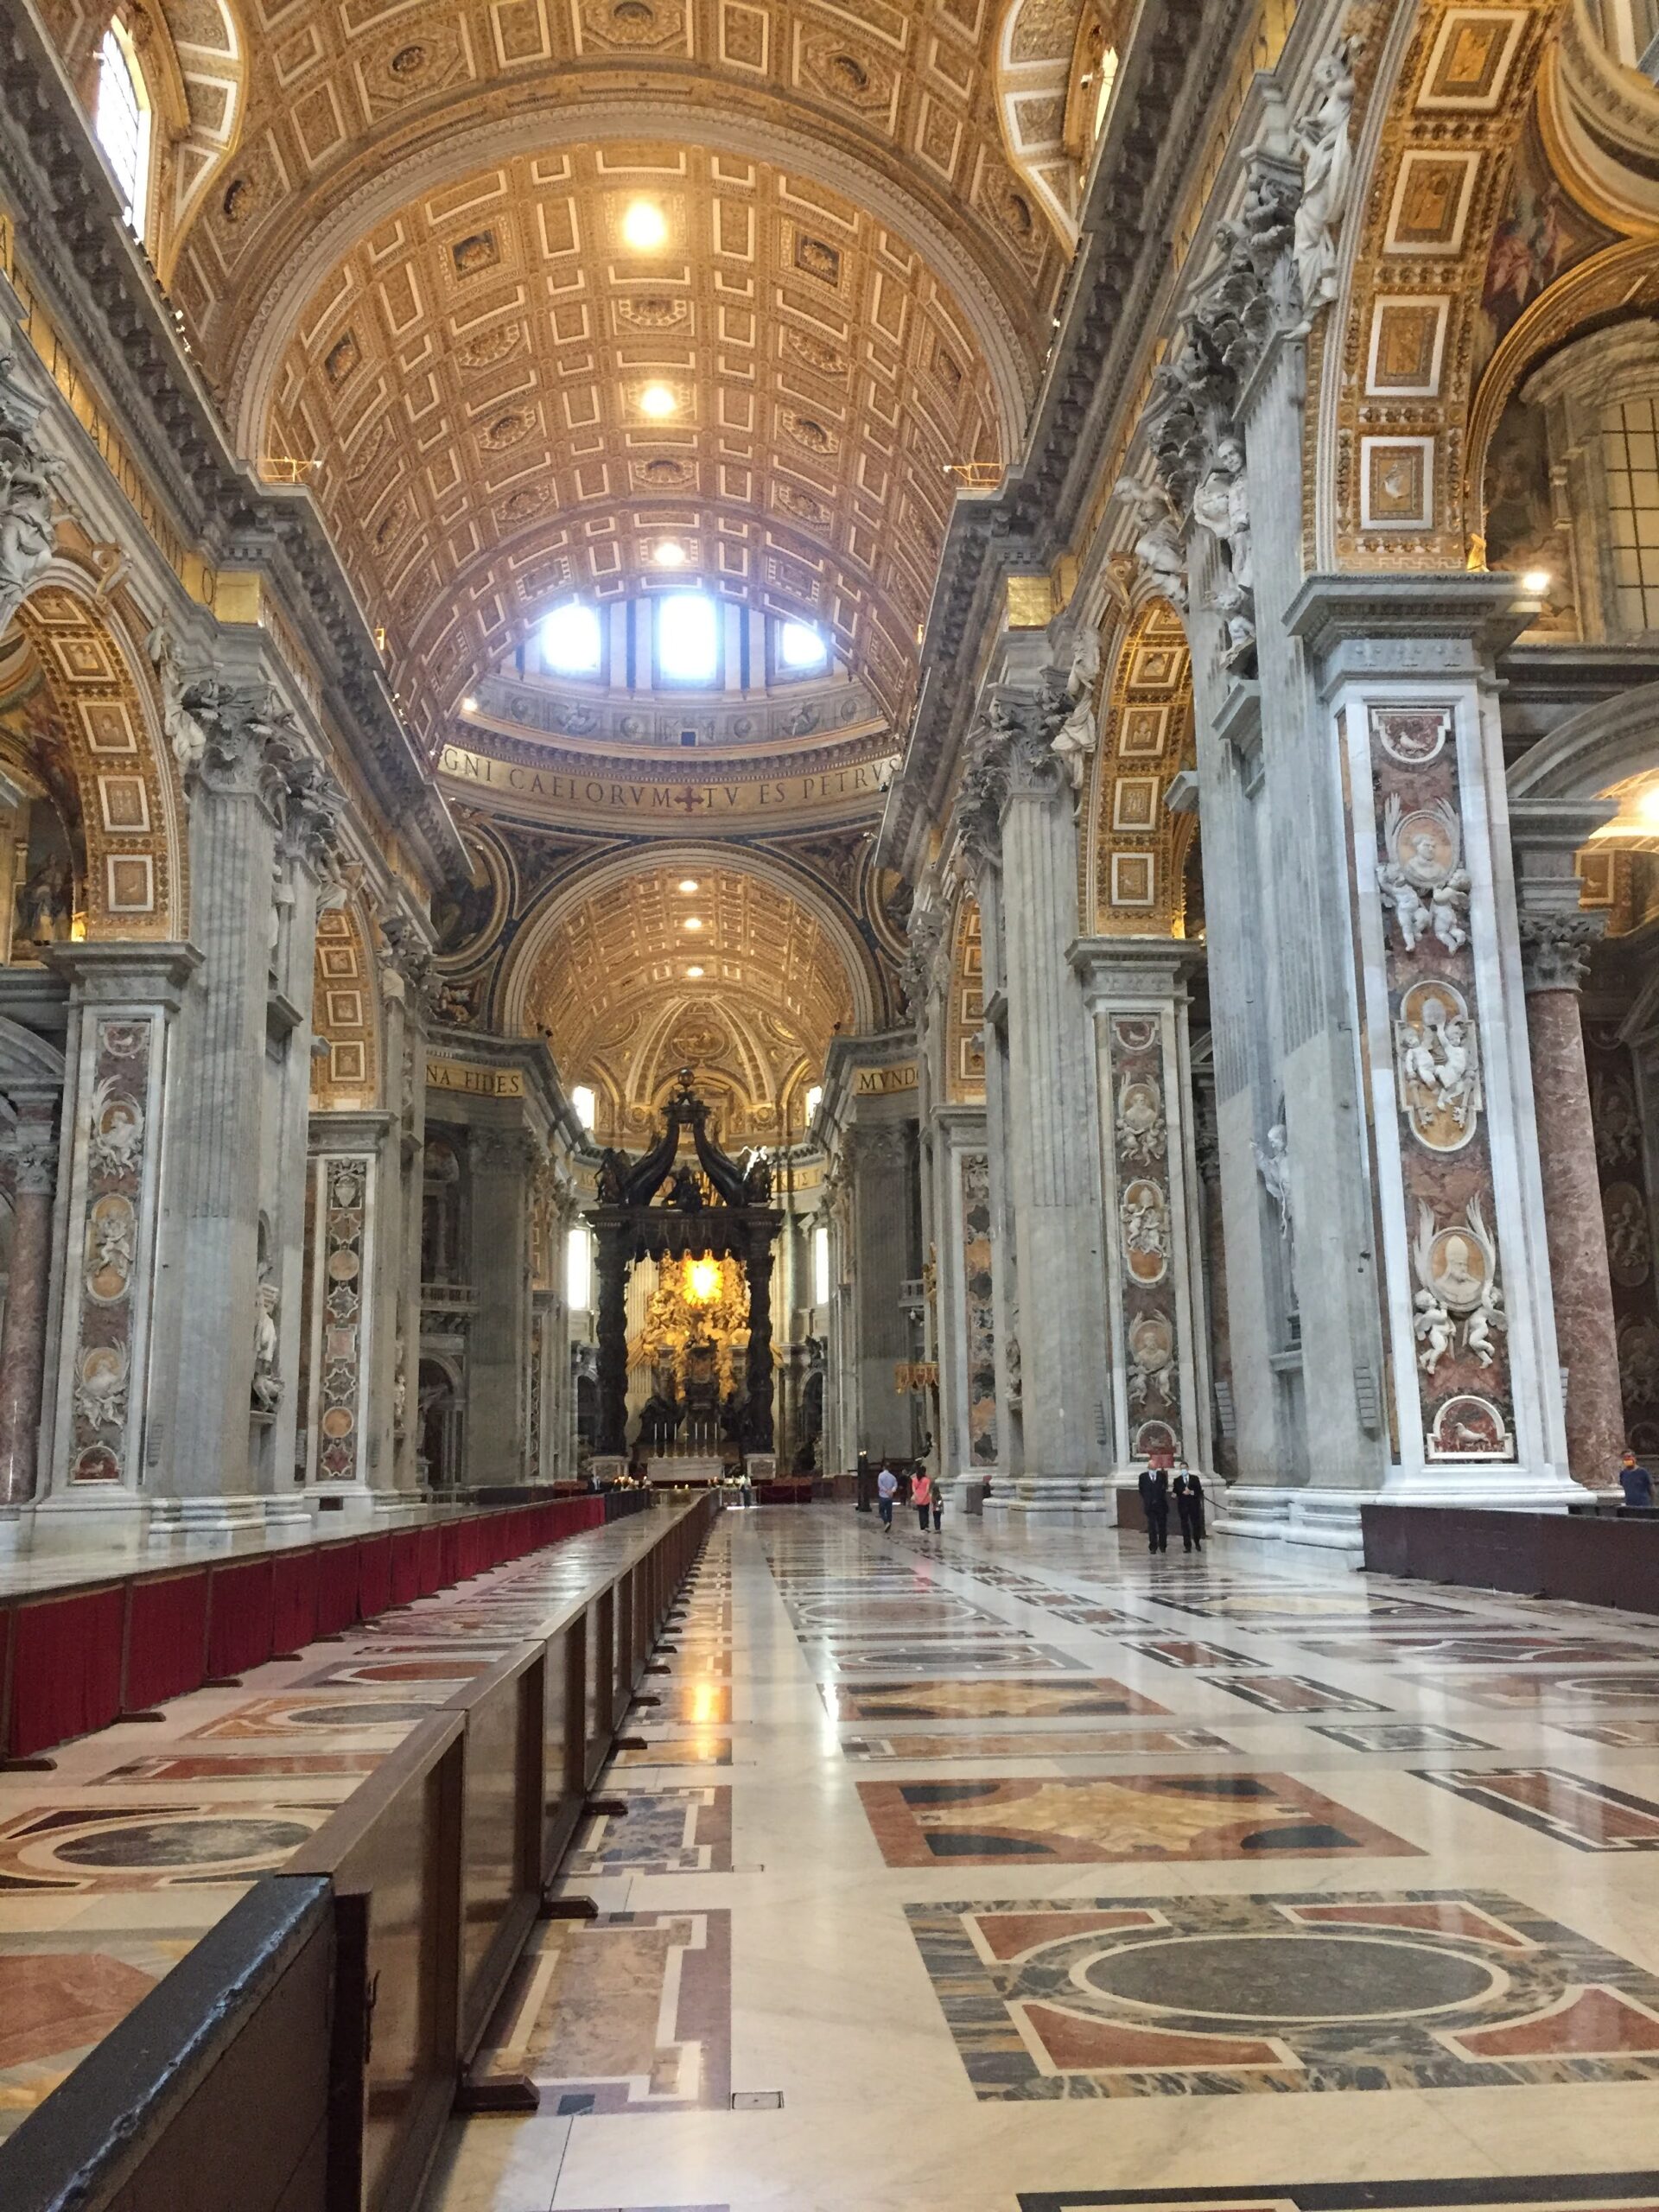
709,1328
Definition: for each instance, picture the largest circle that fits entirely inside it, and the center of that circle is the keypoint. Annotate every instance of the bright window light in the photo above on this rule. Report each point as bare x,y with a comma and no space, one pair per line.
570,639
821,1266
578,1271
814,1098
801,646
688,638
643,226
121,119
582,1099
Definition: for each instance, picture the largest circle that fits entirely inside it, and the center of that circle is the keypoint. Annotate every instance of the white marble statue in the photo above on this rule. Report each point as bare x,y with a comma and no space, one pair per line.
1273,1165
1327,159
267,1387
179,726
29,481
1421,879
1157,544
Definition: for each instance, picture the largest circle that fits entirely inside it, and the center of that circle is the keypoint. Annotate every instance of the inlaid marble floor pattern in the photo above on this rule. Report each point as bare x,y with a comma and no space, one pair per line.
948,1844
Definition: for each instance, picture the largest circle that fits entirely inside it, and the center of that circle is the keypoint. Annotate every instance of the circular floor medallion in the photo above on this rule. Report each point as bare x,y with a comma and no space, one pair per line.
373,1712
1273,1978
214,1842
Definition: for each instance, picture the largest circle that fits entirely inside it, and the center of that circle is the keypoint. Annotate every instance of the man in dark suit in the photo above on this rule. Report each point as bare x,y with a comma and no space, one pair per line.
1155,1503
1189,1503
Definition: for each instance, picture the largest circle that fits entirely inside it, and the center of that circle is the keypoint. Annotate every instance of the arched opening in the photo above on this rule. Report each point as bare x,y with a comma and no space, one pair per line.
121,113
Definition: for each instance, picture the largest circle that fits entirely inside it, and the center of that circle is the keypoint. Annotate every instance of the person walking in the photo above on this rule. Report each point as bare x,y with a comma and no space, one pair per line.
887,1489
938,1505
1636,1483
1155,1503
1189,1503
921,1497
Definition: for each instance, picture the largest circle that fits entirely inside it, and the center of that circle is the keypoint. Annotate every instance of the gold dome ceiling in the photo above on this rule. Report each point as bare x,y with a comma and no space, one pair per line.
606,974
470,381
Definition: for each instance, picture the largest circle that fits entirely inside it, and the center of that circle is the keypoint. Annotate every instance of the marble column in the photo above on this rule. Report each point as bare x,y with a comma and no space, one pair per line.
1578,1236
1207,1149
1053,1176
612,1319
759,1426
881,1157
236,805
23,1341
502,1161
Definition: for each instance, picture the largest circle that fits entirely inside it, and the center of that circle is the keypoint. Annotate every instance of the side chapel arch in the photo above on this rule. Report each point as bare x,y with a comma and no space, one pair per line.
1135,862
345,1013
96,711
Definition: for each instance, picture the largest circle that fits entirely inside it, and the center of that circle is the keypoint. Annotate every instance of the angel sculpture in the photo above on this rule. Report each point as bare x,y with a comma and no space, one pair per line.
1432,1326
1273,1165
1422,878
1157,546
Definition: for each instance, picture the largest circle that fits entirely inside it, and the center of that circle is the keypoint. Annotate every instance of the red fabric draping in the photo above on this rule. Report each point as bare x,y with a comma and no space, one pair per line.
295,1585
66,1678
238,1617
432,1576
336,1587
449,1539
404,1578
167,1637
373,1576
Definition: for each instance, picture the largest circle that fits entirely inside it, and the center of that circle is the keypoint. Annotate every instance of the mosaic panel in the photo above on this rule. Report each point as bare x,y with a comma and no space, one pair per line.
1168,1817
1219,1996
67,1848
1060,1744
1402,1735
1013,1656
1589,1815
1293,1693
1522,1690
663,1832
629,2012
1181,1651
1095,1698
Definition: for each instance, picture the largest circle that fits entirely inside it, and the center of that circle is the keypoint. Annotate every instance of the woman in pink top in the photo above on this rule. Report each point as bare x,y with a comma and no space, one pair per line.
921,1497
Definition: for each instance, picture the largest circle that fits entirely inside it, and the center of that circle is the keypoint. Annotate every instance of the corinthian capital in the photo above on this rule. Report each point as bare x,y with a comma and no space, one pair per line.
1555,949
242,740
312,813
35,1158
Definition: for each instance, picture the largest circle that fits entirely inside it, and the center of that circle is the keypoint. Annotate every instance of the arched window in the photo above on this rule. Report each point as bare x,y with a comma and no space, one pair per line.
579,1270
121,121
585,1103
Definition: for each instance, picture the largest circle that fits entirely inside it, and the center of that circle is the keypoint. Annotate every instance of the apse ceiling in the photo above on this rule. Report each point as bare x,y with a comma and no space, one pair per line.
727,968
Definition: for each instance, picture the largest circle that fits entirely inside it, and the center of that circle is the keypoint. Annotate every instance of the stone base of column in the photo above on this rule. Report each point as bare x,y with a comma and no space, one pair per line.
116,1519
328,1504
1550,1490
1324,1521
1032,1497
212,1520
392,1509
289,1510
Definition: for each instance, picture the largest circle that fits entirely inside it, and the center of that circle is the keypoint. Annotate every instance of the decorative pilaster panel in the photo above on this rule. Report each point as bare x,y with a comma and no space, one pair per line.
1627,1213
978,1309
110,1249
340,1272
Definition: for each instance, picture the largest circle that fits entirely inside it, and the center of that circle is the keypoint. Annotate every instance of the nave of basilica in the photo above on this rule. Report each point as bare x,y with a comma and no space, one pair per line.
743,740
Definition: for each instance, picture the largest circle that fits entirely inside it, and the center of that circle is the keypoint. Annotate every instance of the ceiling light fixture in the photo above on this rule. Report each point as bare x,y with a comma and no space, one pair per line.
694,975
688,883
692,922
656,401
469,705
1536,582
644,227
670,554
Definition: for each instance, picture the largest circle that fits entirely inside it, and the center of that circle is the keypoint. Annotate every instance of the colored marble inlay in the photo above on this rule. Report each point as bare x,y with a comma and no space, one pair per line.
1624,1735
1209,1996
61,1994
67,1848
987,1654
629,2012
1402,1735
663,1832
1181,1651
1505,1690
1276,1608
1084,1823
289,1716
245,1766
1095,1698
1589,1815
1062,1744
1293,1693
1500,1648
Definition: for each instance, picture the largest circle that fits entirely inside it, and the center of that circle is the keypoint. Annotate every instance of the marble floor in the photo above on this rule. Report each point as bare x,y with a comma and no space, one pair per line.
1003,1873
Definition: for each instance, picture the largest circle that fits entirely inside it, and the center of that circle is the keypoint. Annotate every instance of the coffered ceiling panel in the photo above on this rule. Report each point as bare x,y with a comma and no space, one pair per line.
505,403
627,990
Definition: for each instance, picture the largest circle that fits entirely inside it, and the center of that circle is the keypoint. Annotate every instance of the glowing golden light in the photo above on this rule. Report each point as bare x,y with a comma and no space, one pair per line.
1536,582
657,400
701,1281
694,975
469,705
692,922
644,227
688,883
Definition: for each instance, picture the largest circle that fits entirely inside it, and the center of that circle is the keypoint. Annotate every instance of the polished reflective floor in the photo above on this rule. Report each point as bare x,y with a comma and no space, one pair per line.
1010,1873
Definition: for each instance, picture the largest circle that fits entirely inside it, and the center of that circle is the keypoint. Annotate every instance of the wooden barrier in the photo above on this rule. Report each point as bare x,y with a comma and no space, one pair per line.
75,1659
1593,1559
312,2045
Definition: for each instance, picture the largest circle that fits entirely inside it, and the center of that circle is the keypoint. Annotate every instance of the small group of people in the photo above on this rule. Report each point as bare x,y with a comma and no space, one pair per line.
925,1496
1156,1490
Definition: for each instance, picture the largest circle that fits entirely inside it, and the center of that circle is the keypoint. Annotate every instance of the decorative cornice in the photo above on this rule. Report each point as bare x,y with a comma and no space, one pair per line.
1173,70
114,314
